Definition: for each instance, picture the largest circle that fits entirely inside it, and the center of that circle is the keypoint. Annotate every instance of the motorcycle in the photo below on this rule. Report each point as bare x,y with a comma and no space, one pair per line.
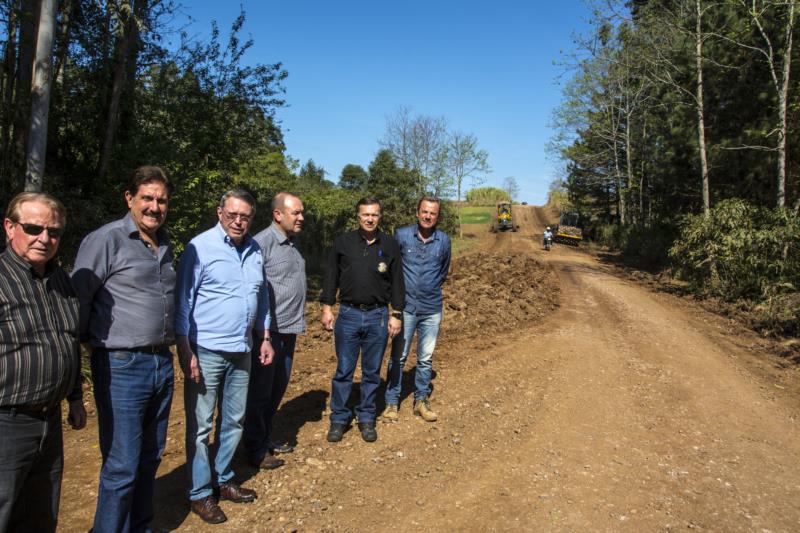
548,243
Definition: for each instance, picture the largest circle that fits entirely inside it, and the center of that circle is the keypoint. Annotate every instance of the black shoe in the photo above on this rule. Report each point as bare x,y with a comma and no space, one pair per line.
335,432
368,432
280,447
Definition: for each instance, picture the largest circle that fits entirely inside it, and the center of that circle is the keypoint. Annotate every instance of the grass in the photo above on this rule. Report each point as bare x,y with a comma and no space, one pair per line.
460,246
476,215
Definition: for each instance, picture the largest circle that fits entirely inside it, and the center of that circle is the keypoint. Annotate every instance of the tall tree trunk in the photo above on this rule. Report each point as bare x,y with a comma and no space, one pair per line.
65,24
701,124
783,97
29,15
642,172
9,77
629,177
40,97
126,41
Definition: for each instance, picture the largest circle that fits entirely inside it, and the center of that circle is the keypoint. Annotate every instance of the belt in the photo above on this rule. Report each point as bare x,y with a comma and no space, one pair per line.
364,307
154,349
35,410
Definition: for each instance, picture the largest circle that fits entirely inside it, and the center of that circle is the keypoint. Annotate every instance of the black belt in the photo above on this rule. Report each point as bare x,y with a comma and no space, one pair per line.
364,307
36,410
154,349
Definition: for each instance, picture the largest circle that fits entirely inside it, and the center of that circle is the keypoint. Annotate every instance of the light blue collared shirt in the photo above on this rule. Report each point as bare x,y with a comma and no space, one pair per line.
221,293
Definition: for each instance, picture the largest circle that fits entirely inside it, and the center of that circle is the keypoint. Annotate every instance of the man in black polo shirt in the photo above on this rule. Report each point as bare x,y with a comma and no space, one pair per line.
365,266
39,363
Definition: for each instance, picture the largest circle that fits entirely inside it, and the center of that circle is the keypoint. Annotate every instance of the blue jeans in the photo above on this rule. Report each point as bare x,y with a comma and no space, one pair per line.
224,375
133,394
31,463
427,328
267,387
365,332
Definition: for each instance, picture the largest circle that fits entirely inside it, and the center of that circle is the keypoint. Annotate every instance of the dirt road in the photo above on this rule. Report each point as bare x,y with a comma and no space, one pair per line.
623,410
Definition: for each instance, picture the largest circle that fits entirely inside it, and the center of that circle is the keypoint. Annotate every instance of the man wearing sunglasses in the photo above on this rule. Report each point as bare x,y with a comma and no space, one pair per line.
220,300
39,363
125,280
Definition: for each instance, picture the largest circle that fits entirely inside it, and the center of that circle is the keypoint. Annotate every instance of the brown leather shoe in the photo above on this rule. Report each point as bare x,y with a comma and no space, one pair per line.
208,510
236,493
268,462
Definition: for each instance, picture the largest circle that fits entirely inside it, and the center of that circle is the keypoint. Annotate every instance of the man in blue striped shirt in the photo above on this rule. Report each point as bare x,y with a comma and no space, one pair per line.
426,260
285,270
221,296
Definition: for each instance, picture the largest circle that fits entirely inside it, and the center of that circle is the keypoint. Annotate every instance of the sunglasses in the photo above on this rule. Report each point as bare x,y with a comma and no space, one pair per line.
36,230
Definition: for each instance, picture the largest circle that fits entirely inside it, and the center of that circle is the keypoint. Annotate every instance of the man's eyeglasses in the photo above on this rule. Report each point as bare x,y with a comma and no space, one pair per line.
231,217
35,230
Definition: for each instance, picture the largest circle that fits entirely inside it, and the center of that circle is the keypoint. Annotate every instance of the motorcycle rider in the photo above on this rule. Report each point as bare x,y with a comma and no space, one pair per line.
548,236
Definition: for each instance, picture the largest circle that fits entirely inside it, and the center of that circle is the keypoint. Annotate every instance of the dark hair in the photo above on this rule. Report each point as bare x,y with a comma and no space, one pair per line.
431,199
148,174
239,194
368,200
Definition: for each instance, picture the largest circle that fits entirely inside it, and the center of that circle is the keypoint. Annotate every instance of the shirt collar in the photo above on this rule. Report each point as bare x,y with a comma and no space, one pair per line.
24,265
227,240
282,237
360,237
132,231
434,235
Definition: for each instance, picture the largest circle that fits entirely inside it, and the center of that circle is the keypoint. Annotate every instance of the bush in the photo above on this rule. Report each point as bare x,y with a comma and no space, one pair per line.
646,246
487,196
740,252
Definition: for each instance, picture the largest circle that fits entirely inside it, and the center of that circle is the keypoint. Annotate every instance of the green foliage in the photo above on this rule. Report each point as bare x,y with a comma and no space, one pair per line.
354,177
740,251
328,213
487,196
395,188
648,247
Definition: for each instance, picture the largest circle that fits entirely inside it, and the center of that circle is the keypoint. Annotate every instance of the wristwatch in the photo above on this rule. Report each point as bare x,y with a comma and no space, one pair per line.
397,314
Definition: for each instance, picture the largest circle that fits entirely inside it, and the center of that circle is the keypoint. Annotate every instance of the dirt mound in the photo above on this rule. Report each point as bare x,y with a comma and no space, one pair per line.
486,293
489,292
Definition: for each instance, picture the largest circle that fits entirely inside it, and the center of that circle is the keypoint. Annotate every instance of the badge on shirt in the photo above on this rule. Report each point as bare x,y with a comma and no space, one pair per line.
382,267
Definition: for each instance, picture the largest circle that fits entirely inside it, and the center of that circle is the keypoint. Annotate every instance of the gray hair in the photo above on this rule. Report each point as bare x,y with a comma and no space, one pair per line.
239,194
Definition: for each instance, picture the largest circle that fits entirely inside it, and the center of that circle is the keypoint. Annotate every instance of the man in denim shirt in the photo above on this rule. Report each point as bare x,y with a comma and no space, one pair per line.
426,260
221,297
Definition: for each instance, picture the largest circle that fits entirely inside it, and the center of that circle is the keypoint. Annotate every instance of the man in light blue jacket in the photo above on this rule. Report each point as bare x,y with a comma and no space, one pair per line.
426,260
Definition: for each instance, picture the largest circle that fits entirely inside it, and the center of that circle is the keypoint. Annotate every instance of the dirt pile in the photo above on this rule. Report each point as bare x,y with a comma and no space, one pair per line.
486,293
489,292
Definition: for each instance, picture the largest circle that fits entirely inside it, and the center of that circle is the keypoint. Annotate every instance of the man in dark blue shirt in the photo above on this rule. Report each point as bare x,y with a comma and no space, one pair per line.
426,260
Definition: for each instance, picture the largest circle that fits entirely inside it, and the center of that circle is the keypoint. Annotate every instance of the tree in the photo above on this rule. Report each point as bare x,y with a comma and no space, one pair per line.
465,160
312,177
395,187
354,177
40,99
128,16
511,187
418,143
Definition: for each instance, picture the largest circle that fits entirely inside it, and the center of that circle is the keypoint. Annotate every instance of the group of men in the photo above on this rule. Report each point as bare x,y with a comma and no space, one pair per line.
233,307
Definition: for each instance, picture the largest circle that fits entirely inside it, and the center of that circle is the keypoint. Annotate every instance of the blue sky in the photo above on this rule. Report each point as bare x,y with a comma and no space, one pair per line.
488,67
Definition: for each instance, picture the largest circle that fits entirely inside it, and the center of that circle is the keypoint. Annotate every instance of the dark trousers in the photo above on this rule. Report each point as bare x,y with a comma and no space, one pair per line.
358,333
267,387
31,463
